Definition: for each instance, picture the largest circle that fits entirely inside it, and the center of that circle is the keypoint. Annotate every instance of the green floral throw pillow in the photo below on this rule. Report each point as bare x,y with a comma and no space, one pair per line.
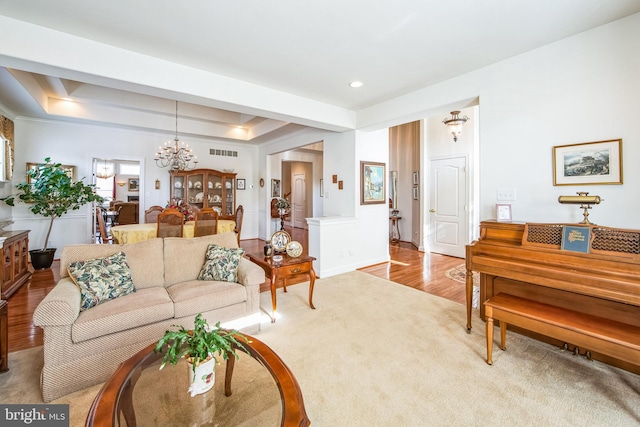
221,264
101,279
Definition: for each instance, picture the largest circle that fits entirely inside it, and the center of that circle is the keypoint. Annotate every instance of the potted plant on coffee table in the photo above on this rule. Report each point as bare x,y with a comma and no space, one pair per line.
199,346
51,192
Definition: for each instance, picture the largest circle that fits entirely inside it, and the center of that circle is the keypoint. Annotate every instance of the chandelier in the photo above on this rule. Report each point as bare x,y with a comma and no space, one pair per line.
104,171
177,156
455,124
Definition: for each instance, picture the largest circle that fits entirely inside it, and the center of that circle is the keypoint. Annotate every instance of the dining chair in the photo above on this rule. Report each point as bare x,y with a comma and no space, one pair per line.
102,229
206,222
239,216
170,222
127,212
151,214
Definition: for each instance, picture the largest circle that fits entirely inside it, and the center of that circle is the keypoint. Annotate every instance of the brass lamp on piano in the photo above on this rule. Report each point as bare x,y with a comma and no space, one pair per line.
584,200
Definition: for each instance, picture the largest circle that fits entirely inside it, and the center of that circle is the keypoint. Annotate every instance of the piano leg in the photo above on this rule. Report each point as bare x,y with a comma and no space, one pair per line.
489,336
469,289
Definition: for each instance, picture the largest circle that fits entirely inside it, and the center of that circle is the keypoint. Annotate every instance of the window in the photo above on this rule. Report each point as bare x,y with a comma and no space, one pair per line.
129,168
3,169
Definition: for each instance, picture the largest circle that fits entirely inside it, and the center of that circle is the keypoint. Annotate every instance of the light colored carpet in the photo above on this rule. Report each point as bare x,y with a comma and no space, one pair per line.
375,353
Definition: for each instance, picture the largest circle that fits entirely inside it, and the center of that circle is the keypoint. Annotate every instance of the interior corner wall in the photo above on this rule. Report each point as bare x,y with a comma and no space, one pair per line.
372,246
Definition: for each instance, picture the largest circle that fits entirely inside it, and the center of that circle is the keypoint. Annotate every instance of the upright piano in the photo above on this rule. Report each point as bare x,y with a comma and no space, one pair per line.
528,260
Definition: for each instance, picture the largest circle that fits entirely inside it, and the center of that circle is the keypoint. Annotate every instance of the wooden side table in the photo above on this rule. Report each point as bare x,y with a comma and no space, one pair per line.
394,234
287,268
4,336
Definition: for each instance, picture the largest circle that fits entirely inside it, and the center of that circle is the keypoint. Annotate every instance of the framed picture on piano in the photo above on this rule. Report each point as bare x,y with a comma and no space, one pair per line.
503,212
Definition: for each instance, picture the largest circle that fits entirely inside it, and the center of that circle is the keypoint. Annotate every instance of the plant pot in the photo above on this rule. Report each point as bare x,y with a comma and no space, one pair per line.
42,258
204,377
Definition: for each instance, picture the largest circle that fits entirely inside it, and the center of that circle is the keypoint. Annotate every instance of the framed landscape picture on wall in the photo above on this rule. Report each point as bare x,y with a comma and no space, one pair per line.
69,170
372,183
133,184
588,163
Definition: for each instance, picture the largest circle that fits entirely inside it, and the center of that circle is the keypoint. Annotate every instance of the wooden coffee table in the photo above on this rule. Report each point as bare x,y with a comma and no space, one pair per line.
287,268
266,393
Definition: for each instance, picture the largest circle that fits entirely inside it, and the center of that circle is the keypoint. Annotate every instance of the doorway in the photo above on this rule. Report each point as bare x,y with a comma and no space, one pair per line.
113,179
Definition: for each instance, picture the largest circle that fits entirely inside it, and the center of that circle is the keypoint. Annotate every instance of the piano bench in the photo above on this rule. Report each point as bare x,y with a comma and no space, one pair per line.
597,334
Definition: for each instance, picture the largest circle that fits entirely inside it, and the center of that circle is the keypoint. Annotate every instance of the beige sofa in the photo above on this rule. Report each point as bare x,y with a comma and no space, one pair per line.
83,348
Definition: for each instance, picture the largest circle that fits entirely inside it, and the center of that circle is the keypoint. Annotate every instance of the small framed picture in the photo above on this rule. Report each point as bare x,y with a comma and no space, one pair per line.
133,184
415,178
240,184
503,212
415,192
275,188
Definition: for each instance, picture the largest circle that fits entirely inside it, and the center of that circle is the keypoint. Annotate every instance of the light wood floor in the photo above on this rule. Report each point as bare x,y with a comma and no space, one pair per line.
409,267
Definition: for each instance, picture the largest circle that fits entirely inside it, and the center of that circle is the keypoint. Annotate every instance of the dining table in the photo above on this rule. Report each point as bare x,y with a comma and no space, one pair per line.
133,233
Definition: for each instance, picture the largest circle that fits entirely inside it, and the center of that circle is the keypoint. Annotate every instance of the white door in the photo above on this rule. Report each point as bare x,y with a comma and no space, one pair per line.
299,200
447,213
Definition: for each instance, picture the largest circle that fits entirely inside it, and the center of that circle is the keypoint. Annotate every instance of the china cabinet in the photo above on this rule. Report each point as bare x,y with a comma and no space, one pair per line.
206,188
14,270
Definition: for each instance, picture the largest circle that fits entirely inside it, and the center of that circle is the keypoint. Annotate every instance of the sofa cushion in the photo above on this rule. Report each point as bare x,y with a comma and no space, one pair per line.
144,307
197,296
101,279
178,267
144,258
221,263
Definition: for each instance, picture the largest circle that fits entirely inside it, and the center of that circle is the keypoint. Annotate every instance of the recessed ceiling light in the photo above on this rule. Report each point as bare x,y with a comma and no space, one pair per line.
355,84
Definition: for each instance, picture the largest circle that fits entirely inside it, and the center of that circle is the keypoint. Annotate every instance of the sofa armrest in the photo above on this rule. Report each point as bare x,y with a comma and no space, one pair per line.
60,307
250,273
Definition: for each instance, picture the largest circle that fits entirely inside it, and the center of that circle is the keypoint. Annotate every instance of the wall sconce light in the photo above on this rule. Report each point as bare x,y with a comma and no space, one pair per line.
584,200
157,184
121,183
455,124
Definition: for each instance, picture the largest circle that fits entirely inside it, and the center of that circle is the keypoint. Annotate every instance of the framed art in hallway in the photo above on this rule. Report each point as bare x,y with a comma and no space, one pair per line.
597,162
275,188
134,184
240,184
372,183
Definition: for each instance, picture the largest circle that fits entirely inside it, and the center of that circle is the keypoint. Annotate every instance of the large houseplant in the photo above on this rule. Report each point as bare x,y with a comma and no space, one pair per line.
199,346
51,192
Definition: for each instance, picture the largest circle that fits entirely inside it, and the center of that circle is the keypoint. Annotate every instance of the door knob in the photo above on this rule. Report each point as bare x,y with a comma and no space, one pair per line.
432,210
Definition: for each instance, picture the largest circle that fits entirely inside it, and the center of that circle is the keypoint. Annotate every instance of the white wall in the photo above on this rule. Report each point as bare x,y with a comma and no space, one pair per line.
581,89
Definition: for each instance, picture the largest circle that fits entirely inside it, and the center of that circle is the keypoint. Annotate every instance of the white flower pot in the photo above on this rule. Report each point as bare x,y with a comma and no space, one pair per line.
204,377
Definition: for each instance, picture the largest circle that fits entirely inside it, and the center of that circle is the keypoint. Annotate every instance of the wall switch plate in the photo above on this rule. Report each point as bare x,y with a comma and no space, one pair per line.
506,194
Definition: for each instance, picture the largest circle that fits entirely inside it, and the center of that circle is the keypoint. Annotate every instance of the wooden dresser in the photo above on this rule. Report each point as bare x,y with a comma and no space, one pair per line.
527,261
14,271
